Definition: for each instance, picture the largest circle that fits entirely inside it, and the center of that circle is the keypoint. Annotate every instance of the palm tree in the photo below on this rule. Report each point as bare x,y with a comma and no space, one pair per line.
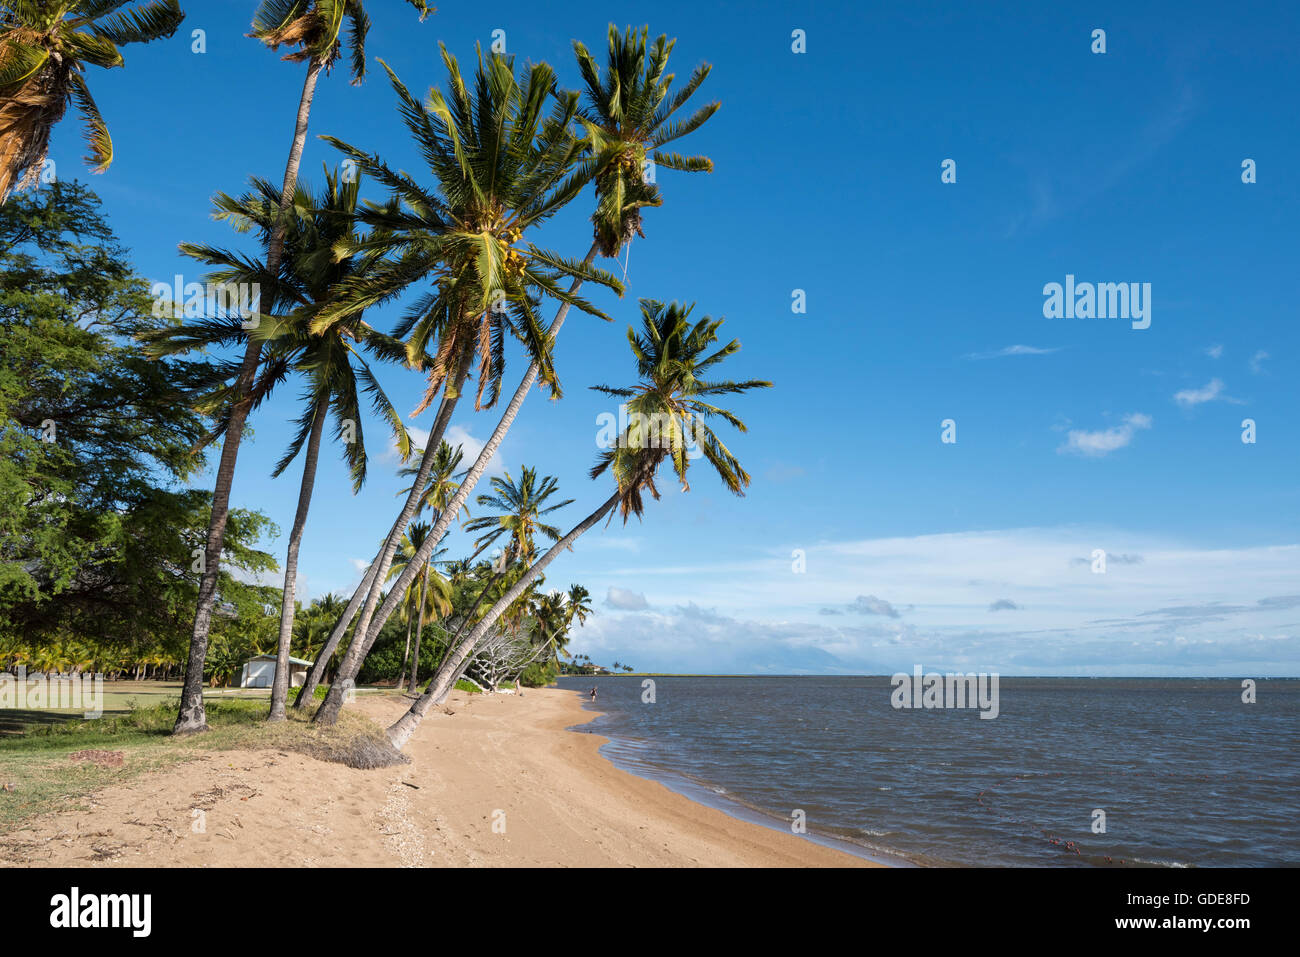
551,624
673,394
626,114
440,485
579,604
312,28
45,48
501,167
330,361
520,508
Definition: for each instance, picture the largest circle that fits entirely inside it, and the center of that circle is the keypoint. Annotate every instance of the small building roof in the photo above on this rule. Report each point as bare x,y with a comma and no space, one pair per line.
292,660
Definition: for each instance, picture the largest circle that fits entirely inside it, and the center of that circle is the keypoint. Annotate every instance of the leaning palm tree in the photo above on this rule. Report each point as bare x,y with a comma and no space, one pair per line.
45,48
668,413
501,167
439,489
627,114
312,29
436,600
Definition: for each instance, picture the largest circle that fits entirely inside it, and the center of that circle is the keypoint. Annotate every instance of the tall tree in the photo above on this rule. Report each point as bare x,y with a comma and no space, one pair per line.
626,114
331,362
97,530
668,414
312,28
501,168
520,507
45,48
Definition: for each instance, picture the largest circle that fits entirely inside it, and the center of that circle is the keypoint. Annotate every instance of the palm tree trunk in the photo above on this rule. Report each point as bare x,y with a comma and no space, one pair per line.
480,464
192,716
415,664
406,655
364,636
401,730
280,686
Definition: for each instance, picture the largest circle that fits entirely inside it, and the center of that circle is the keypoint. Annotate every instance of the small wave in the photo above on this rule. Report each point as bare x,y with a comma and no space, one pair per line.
1175,864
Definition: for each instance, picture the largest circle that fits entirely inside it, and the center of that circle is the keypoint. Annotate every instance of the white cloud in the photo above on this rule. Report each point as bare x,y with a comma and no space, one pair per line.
1207,393
1016,350
1105,441
1257,362
625,600
1236,608
454,436
871,605
1214,352
459,435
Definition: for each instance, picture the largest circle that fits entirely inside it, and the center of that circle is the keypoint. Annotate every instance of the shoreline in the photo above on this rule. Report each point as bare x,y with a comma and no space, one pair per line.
702,793
493,782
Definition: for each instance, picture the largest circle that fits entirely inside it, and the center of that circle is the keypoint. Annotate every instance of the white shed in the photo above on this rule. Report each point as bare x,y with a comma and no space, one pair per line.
259,672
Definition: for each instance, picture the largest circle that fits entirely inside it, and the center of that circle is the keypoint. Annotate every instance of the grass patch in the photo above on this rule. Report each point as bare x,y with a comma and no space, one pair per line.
468,686
40,767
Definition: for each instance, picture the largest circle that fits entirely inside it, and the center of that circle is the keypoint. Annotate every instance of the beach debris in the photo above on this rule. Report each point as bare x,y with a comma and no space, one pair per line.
104,759
410,785
8,787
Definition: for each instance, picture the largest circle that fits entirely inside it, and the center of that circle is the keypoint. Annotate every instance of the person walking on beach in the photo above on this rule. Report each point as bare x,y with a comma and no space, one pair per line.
593,693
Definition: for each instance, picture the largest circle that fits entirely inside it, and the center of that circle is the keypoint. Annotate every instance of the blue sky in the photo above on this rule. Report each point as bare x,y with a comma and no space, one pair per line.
924,303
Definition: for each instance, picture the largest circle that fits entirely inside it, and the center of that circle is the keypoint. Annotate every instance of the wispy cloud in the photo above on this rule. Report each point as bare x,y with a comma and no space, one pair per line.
1257,362
1212,390
1214,352
1017,350
1004,604
1112,559
1104,441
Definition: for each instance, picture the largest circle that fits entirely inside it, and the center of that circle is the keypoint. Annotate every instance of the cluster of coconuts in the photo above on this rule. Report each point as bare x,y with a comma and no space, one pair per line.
514,260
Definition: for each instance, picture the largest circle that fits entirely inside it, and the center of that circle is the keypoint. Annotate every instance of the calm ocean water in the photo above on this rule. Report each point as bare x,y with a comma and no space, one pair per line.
1187,775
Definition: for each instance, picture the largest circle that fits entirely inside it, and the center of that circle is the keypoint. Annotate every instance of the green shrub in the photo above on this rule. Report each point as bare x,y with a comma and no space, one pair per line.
539,674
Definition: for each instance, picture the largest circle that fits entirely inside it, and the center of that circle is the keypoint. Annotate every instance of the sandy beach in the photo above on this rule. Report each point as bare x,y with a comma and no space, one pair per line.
499,782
